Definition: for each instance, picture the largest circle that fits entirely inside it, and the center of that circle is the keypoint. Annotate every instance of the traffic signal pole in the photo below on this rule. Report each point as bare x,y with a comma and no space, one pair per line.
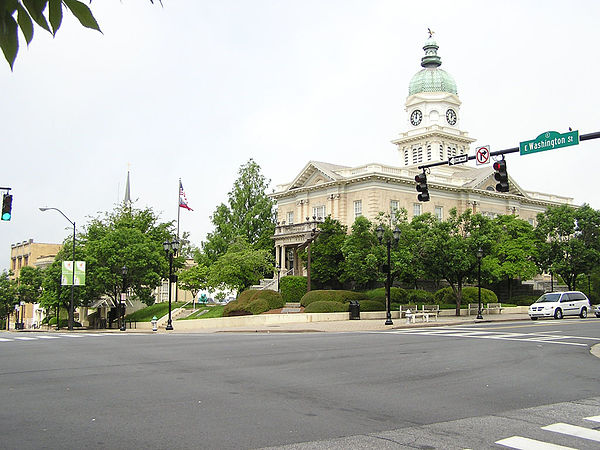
583,137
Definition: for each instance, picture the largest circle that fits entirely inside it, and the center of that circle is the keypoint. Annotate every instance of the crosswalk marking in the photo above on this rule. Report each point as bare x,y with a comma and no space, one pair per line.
36,337
47,337
24,338
495,335
572,430
593,418
523,443
5,340
70,335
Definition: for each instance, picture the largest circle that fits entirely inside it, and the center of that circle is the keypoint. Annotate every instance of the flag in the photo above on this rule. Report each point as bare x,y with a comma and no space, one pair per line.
182,198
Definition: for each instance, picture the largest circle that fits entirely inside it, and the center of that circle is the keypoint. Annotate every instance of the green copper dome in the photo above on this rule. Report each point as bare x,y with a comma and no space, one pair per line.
431,78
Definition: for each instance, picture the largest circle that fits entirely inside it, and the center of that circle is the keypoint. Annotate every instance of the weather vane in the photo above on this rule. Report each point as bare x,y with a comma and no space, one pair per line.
431,33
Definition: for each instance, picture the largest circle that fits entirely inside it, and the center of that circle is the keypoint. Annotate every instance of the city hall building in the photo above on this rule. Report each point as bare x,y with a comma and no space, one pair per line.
433,134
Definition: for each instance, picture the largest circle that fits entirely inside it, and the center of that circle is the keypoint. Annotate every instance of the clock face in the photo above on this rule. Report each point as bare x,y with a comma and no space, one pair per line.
451,117
415,117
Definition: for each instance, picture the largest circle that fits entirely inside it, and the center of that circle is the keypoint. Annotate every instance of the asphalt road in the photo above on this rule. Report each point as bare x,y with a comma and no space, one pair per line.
446,387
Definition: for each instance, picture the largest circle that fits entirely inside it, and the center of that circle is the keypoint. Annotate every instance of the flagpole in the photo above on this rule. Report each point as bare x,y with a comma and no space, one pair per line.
178,213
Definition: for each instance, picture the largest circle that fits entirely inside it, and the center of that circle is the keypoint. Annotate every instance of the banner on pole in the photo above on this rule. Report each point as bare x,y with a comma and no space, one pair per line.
67,273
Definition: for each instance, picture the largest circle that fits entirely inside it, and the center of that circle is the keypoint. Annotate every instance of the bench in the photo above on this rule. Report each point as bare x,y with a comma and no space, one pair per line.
404,308
490,308
426,313
495,307
473,308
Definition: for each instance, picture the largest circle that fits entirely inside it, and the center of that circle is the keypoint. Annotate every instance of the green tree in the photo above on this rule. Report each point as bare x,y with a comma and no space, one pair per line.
249,215
568,241
362,255
8,297
241,267
512,250
326,253
194,279
29,284
127,237
450,249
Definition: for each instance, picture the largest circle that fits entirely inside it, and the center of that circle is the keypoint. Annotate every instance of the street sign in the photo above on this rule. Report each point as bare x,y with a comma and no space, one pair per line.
482,155
458,159
549,141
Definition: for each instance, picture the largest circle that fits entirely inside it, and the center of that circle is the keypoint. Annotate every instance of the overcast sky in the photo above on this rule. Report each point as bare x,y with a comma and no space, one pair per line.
194,89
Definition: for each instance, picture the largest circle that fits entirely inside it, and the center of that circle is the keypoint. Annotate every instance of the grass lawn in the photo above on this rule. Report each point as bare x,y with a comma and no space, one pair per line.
158,310
213,311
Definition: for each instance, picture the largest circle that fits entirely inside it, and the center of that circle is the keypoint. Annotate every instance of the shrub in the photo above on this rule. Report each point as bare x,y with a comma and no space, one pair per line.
64,323
330,296
522,300
397,295
372,305
414,296
258,306
253,301
470,295
326,307
292,288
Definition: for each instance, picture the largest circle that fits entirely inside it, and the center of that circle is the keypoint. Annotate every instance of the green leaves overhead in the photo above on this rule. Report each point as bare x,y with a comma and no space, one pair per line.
83,14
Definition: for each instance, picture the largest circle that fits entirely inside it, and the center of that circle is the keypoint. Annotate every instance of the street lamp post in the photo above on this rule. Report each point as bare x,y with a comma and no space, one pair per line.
380,231
479,256
171,249
122,304
71,310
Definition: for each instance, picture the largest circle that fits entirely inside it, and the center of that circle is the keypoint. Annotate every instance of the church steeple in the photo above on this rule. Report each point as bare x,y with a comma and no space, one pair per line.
127,200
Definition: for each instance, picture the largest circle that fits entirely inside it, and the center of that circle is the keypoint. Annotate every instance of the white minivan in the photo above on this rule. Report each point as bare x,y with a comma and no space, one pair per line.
560,304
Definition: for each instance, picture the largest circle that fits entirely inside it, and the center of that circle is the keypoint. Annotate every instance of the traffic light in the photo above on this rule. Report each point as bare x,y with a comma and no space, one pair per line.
421,180
6,207
501,176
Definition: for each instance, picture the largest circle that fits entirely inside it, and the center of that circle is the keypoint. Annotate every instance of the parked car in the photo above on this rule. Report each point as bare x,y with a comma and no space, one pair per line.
560,304
597,311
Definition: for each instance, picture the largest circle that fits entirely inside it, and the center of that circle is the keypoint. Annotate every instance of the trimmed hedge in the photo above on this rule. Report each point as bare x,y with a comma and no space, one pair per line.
397,295
470,295
371,305
253,301
331,296
523,300
64,323
326,307
292,288
414,296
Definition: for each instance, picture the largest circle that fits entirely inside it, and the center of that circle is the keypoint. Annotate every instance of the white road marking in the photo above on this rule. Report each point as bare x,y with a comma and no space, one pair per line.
23,338
48,337
5,340
523,443
71,335
593,418
572,430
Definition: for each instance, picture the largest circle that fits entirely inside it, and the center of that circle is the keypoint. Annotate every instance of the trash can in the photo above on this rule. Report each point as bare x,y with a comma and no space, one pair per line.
354,309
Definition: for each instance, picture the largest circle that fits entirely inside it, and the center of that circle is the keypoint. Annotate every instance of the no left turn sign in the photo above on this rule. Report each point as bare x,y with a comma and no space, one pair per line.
482,155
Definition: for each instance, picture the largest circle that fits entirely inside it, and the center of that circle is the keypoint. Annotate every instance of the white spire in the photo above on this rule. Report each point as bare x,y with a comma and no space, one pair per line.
127,200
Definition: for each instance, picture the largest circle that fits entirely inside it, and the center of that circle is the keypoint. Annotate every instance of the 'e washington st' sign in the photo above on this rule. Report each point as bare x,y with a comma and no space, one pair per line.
549,141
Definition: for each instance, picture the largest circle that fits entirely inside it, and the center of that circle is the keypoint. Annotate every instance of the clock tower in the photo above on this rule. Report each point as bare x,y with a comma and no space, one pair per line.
433,112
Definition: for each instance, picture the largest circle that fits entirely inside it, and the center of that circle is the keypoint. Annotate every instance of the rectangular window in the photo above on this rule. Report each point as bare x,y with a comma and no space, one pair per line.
319,212
416,209
357,208
290,217
439,212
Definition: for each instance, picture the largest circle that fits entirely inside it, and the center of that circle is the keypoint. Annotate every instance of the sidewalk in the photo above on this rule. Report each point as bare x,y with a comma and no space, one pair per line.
333,326
340,326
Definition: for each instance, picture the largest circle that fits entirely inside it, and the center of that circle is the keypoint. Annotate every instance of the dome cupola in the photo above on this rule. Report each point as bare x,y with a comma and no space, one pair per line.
431,78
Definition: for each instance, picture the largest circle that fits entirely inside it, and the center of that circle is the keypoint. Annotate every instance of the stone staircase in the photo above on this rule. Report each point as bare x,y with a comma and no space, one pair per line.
291,308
